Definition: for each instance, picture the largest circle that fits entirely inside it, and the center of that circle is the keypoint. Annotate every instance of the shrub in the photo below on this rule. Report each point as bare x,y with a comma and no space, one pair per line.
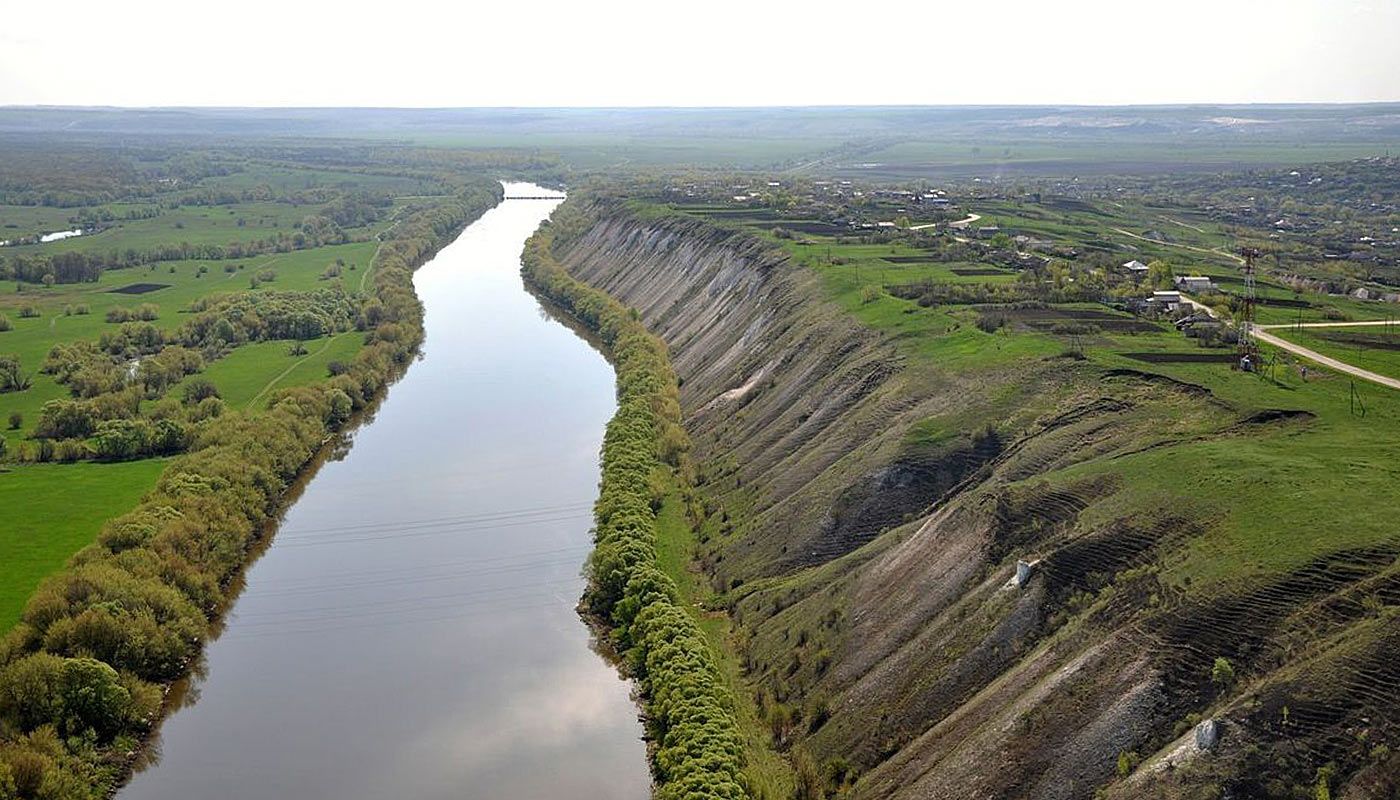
198,390
5,324
29,312
1127,762
1222,672
698,749
65,419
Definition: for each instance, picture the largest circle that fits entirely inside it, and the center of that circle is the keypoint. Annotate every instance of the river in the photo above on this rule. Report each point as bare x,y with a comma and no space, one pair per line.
410,632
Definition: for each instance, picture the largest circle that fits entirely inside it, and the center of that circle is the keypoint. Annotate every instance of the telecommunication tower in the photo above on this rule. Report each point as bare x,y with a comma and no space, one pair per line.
1248,350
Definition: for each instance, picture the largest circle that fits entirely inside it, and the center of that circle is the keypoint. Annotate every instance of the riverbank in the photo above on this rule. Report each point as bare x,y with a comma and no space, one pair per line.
696,747
99,645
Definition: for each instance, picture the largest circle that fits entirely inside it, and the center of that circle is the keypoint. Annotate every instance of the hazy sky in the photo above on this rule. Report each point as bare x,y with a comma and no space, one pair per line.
717,52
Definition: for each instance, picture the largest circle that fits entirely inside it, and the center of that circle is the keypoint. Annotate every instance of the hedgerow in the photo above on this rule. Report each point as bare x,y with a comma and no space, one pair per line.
696,750
81,675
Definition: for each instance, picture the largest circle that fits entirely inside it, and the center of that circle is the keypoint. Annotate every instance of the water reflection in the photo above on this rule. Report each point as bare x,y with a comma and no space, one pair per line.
411,630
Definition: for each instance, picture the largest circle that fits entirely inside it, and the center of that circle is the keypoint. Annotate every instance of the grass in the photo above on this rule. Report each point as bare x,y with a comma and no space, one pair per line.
1272,500
247,377
18,221
218,225
1362,347
51,511
31,338
769,774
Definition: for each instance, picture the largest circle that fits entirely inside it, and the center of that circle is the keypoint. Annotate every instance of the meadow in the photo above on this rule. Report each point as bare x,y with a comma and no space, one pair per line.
181,283
52,511
1298,467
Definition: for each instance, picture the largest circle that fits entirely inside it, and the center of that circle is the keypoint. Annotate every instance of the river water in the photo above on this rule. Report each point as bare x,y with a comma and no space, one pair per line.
411,632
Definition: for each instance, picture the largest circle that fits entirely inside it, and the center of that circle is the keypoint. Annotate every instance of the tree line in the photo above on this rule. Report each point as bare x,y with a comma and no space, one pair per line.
690,714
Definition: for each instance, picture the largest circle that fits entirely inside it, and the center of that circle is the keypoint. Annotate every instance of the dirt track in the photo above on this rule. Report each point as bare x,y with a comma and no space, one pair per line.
1312,355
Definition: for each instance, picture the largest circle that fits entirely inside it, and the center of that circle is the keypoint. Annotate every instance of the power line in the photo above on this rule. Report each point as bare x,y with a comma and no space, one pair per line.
331,540
295,533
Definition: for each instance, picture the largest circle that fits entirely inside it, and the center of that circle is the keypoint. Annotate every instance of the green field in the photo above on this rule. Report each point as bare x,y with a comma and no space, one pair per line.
197,225
53,510
247,377
1300,468
31,338
1373,348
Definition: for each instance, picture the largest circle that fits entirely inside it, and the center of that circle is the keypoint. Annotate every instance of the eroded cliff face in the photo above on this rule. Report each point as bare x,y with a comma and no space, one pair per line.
868,511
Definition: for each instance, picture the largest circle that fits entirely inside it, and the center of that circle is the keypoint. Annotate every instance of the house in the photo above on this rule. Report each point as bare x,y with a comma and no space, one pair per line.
1199,319
1164,301
988,231
1194,283
1135,267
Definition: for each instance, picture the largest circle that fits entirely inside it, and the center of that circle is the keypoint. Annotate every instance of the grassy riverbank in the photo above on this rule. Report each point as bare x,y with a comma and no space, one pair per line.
638,571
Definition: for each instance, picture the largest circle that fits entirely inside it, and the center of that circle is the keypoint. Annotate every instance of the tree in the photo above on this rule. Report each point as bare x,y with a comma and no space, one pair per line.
1222,672
65,419
1160,275
92,697
29,690
11,378
198,389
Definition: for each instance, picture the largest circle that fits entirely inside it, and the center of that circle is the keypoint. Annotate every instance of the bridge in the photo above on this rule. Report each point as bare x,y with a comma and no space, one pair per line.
534,197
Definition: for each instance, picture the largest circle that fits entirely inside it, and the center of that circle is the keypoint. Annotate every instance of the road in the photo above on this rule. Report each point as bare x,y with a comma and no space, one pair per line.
1326,361
959,224
1182,246
1330,324
1261,332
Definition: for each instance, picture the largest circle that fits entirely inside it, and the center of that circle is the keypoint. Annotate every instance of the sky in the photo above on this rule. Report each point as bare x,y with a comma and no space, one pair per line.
720,52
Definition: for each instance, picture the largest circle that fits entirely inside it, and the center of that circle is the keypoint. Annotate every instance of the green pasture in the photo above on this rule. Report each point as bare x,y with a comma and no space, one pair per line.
53,510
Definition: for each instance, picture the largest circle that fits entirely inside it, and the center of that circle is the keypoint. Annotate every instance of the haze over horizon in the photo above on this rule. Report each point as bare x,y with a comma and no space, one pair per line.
633,54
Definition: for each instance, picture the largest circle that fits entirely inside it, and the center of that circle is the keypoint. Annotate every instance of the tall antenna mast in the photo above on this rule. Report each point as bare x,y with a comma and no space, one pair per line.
1247,349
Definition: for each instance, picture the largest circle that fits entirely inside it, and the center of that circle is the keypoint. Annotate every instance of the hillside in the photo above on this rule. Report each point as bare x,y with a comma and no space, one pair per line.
1200,545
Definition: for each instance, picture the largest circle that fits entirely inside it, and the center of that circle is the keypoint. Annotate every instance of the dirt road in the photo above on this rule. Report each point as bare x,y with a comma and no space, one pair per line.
1261,332
1327,361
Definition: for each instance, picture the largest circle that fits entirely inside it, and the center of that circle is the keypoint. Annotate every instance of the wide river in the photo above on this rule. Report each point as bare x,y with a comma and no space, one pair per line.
410,633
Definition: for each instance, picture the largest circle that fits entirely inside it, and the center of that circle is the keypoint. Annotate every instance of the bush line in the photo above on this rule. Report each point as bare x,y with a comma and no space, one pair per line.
82,674
696,746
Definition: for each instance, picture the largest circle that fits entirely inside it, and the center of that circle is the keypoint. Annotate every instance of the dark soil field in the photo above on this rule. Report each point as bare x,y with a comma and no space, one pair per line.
968,272
140,288
1046,318
1212,357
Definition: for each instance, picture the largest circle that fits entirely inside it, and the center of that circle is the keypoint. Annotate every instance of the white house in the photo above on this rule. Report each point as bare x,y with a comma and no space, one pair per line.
1136,267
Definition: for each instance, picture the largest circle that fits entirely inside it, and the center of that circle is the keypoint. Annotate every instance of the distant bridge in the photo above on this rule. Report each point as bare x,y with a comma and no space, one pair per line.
534,197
